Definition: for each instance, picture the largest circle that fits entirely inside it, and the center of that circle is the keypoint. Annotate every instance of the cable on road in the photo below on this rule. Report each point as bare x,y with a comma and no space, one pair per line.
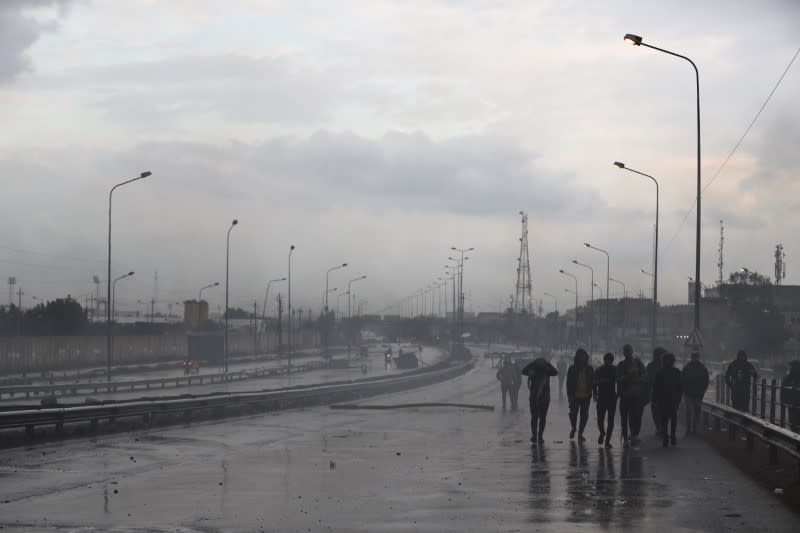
353,406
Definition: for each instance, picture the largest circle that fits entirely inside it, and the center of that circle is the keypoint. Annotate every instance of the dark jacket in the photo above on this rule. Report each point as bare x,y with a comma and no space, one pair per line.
630,378
505,375
605,383
539,373
695,379
740,375
668,389
651,370
572,380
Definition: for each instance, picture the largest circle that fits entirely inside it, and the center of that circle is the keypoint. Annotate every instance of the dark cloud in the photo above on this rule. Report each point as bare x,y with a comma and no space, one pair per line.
18,32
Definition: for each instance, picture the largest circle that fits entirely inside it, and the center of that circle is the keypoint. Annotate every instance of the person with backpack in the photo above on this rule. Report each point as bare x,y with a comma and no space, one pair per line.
740,377
539,373
695,383
667,392
580,382
631,375
605,397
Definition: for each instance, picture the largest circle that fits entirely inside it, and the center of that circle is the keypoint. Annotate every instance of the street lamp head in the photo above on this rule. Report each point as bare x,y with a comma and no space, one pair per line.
586,244
282,279
131,273
619,165
470,249
291,247
234,222
145,174
574,261
452,247
635,40
344,264
561,270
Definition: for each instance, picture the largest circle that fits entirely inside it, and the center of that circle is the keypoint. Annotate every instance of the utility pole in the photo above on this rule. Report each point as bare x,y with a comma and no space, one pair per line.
280,317
255,328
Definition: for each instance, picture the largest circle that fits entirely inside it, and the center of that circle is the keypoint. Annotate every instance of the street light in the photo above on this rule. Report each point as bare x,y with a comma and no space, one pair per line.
289,336
461,251
575,278
350,314
654,314
608,279
637,41
227,270
555,300
108,295
599,289
624,289
624,303
200,293
327,274
591,304
113,314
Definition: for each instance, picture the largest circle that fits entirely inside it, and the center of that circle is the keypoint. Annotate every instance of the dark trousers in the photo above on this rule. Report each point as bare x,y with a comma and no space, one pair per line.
609,407
630,416
669,416
505,390
514,394
741,399
579,407
693,412
655,411
538,418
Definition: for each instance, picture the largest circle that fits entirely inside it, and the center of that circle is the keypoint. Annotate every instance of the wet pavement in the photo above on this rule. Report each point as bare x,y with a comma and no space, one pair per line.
423,469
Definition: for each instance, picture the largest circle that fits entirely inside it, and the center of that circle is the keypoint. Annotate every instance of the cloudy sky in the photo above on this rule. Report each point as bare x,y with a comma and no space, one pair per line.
381,133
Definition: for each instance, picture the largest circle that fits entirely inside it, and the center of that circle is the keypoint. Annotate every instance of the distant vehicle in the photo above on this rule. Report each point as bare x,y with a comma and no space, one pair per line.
406,360
191,366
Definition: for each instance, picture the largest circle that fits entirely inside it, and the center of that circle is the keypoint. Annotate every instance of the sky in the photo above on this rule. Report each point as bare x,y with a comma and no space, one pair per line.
382,133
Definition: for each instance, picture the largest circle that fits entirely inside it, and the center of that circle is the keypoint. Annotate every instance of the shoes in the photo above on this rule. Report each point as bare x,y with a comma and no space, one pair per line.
572,434
673,441
541,439
533,439
625,443
635,440
664,443
601,438
608,445
581,437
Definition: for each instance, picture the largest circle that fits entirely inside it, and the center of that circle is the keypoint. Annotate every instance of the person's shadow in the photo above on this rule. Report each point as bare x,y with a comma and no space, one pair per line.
539,485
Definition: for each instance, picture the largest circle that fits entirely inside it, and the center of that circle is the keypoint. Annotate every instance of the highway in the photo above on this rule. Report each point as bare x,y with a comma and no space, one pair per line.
422,469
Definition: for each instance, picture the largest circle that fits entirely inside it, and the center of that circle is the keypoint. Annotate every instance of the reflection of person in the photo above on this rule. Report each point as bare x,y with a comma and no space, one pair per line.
562,375
605,395
539,372
695,383
580,380
505,375
740,377
630,382
790,394
516,383
667,392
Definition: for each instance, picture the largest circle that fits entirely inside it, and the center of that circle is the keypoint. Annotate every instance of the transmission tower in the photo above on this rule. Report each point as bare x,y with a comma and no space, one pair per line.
11,282
721,262
780,264
523,300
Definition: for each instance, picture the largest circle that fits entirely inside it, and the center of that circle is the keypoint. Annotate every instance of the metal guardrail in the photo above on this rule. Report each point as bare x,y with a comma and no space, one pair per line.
74,389
220,402
766,421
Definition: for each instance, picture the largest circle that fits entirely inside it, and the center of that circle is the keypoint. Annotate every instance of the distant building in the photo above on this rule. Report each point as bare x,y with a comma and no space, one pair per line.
194,312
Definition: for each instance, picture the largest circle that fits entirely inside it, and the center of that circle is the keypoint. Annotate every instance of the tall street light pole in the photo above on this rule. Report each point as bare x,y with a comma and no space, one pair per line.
350,314
108,278
555,300
289,305
264,308
637,41
608,279
624,303
113,315
200,292
654,317
591,305
227,286
327,275
575,278
461,251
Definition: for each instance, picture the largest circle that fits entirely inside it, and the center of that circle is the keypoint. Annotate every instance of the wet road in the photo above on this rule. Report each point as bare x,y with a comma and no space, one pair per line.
426,469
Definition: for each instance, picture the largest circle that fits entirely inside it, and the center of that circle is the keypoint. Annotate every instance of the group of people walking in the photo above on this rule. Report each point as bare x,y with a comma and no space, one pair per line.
629,383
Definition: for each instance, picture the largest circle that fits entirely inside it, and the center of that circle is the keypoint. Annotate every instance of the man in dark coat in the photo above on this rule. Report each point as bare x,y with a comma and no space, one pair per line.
539,373
667,392
505,375
740,377
605,397
630,386
580,381
790,394
695,383
652,369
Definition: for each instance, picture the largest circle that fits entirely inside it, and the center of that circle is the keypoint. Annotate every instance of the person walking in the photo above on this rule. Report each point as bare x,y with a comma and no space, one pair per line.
740,377
790,394
695,383
516,383
505,375
652,369
630,384
539,373
580,381
667,392
562,374
605,397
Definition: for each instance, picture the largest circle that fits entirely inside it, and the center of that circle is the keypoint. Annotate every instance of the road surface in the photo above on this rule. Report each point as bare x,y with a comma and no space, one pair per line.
425,469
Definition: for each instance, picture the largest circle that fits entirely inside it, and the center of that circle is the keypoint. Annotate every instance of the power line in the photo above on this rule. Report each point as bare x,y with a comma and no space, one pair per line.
735,148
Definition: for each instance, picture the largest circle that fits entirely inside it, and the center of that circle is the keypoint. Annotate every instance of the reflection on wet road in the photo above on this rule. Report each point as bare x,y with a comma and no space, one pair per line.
424,469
